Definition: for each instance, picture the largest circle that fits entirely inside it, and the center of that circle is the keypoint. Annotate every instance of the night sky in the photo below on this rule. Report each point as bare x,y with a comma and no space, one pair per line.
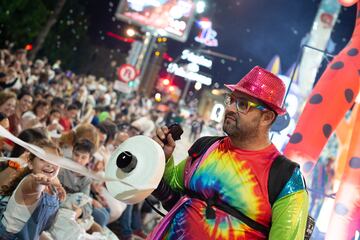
253,31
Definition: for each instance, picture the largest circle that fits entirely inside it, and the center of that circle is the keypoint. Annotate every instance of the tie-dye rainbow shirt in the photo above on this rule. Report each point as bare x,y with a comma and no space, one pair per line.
239,178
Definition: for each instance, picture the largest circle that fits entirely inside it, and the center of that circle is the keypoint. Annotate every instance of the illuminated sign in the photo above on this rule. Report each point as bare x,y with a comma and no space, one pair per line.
207,35
183,71
217,112
198,59
172,18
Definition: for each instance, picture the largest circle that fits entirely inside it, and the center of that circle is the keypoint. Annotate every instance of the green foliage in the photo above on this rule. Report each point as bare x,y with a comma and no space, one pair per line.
68,38
21,20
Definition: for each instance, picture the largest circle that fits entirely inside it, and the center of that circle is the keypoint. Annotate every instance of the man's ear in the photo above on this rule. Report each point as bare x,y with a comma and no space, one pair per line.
268,117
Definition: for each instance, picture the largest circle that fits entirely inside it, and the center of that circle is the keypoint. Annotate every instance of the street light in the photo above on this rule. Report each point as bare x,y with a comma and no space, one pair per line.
130,32
166,82
158,97
200,7
197,86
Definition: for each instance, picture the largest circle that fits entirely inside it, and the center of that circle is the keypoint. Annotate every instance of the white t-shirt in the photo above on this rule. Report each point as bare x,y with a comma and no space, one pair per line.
16,215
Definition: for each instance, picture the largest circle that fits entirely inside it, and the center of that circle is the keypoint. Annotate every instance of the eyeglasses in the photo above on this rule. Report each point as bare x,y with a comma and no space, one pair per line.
242,105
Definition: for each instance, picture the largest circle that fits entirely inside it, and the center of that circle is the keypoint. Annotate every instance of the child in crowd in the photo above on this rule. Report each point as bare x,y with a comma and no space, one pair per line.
13,172
11,175
74,220
75,183
34,203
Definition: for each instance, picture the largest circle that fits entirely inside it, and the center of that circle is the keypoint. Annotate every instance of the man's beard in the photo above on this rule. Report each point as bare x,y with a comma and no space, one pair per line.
239,130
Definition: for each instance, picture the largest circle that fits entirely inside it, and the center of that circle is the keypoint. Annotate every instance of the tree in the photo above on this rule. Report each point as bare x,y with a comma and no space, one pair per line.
21,21
68,39
44,32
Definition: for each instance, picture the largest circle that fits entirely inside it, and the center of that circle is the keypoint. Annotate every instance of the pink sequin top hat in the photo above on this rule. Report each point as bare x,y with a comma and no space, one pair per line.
263,85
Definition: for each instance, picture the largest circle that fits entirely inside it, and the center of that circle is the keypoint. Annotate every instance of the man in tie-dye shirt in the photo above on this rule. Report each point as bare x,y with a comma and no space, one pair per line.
235,172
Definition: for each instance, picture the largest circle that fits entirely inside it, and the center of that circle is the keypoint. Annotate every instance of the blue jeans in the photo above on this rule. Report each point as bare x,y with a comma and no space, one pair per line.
101,216
130,220
40,220
136,217
125,221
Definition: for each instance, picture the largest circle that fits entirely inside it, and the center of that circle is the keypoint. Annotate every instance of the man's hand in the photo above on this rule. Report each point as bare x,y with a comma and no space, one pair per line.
161,134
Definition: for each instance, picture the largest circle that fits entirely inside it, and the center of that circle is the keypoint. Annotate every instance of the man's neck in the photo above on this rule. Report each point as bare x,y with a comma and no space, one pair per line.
251,144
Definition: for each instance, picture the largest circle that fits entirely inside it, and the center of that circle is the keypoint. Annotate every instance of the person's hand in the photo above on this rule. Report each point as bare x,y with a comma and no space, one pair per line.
99,166
161,134
60,191
41,179
96,204
77,210
95,228
52,126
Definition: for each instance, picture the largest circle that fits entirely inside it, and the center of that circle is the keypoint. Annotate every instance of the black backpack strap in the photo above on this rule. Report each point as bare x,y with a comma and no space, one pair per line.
196,150
166,195
163,192
201,145
211,214
280,172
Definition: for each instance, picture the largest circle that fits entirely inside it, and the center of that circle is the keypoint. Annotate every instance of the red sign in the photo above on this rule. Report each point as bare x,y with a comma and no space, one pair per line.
126,73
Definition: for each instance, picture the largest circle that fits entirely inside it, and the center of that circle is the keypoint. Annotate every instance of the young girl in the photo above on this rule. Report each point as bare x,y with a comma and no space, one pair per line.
35,202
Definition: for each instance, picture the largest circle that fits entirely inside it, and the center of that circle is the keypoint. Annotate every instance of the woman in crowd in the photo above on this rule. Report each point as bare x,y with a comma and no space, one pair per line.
37,117
7,102
24,104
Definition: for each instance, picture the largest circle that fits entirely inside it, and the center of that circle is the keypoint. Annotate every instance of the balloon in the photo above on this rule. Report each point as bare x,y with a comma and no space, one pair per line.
331,98
345,218
347,3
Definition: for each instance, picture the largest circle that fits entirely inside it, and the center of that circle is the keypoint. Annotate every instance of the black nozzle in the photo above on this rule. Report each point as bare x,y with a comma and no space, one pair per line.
126,161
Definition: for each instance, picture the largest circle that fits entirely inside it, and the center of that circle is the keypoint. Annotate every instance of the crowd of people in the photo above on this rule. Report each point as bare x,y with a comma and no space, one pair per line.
81,118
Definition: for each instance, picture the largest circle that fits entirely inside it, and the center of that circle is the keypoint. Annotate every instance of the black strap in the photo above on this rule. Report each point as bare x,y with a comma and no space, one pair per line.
280,172
210,212
154,208
201,145
281,166
166,195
